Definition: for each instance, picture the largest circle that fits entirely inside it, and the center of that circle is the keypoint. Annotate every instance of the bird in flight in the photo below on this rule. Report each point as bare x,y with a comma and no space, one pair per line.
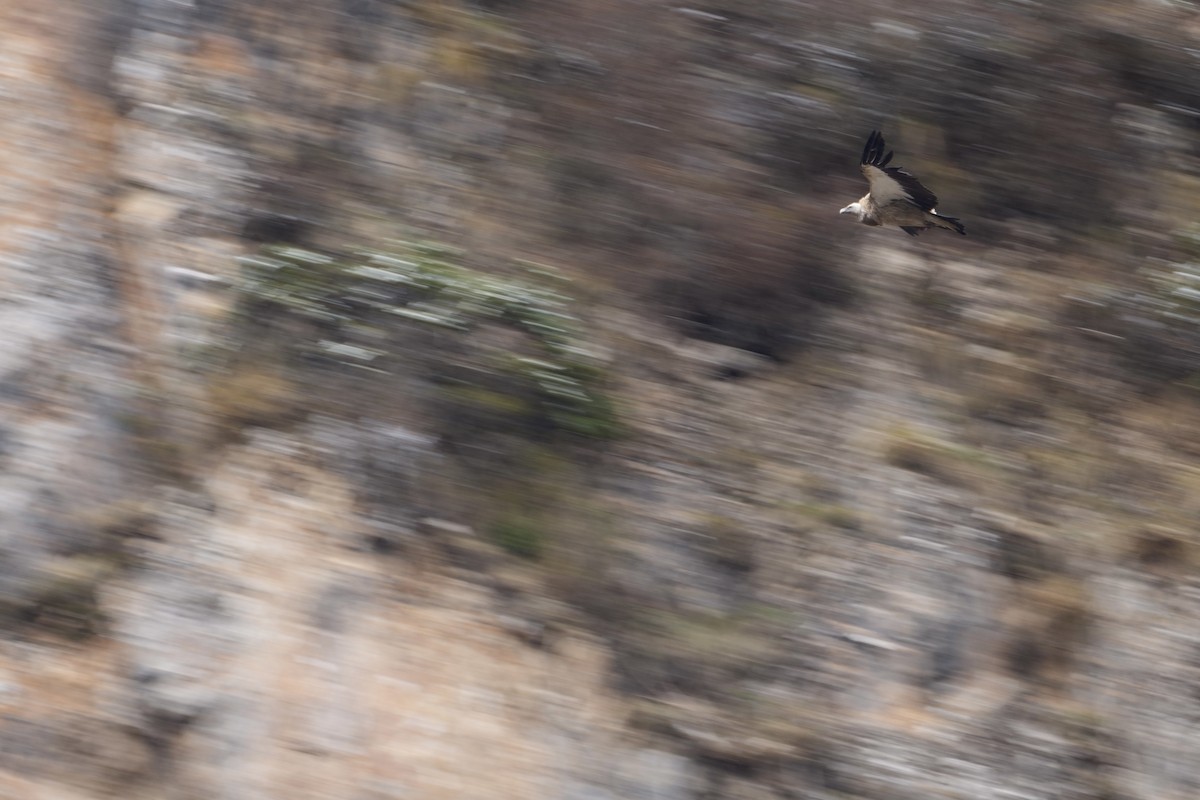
897,199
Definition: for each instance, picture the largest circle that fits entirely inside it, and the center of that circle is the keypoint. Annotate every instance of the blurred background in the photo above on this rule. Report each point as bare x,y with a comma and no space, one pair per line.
484,399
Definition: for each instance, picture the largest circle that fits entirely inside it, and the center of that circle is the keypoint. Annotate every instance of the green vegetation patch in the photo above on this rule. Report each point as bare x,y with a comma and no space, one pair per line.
1159,323
548,374
944,461
521,536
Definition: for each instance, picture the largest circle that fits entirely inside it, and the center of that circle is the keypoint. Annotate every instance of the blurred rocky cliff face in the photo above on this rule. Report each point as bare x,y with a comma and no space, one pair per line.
481,399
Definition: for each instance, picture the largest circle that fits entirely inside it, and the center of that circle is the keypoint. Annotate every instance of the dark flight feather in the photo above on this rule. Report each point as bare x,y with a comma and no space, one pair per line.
873,156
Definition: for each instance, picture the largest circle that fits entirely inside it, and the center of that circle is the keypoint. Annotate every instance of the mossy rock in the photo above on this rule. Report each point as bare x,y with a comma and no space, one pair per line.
542,373
521,536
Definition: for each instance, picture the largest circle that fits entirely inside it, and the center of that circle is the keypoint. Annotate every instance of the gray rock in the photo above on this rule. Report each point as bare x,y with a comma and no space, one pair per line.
655,775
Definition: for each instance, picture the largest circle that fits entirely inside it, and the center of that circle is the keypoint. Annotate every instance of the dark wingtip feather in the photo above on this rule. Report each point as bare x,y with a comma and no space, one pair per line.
866,153
958,226
873,152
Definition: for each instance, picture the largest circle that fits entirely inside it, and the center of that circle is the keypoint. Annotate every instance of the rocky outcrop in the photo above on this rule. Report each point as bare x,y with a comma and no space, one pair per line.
727,502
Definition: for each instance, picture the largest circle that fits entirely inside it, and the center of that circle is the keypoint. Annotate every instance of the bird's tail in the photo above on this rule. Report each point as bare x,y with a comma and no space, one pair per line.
949,223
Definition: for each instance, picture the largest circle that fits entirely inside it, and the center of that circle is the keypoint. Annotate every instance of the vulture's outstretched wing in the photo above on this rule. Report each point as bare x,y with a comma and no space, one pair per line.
889,184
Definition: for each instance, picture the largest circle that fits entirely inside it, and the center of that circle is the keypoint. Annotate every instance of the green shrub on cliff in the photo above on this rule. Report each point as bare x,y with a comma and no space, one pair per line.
545,375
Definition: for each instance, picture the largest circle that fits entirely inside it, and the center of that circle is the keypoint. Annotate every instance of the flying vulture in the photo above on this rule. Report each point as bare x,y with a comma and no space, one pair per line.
897,199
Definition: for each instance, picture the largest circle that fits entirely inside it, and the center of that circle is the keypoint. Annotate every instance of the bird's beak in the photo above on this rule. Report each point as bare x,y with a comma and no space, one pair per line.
845,210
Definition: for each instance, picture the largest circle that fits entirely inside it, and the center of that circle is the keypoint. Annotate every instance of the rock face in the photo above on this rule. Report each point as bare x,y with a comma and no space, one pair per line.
64,450
730,501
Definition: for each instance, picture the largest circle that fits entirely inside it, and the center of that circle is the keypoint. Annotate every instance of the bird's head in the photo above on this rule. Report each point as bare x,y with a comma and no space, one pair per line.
853,208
